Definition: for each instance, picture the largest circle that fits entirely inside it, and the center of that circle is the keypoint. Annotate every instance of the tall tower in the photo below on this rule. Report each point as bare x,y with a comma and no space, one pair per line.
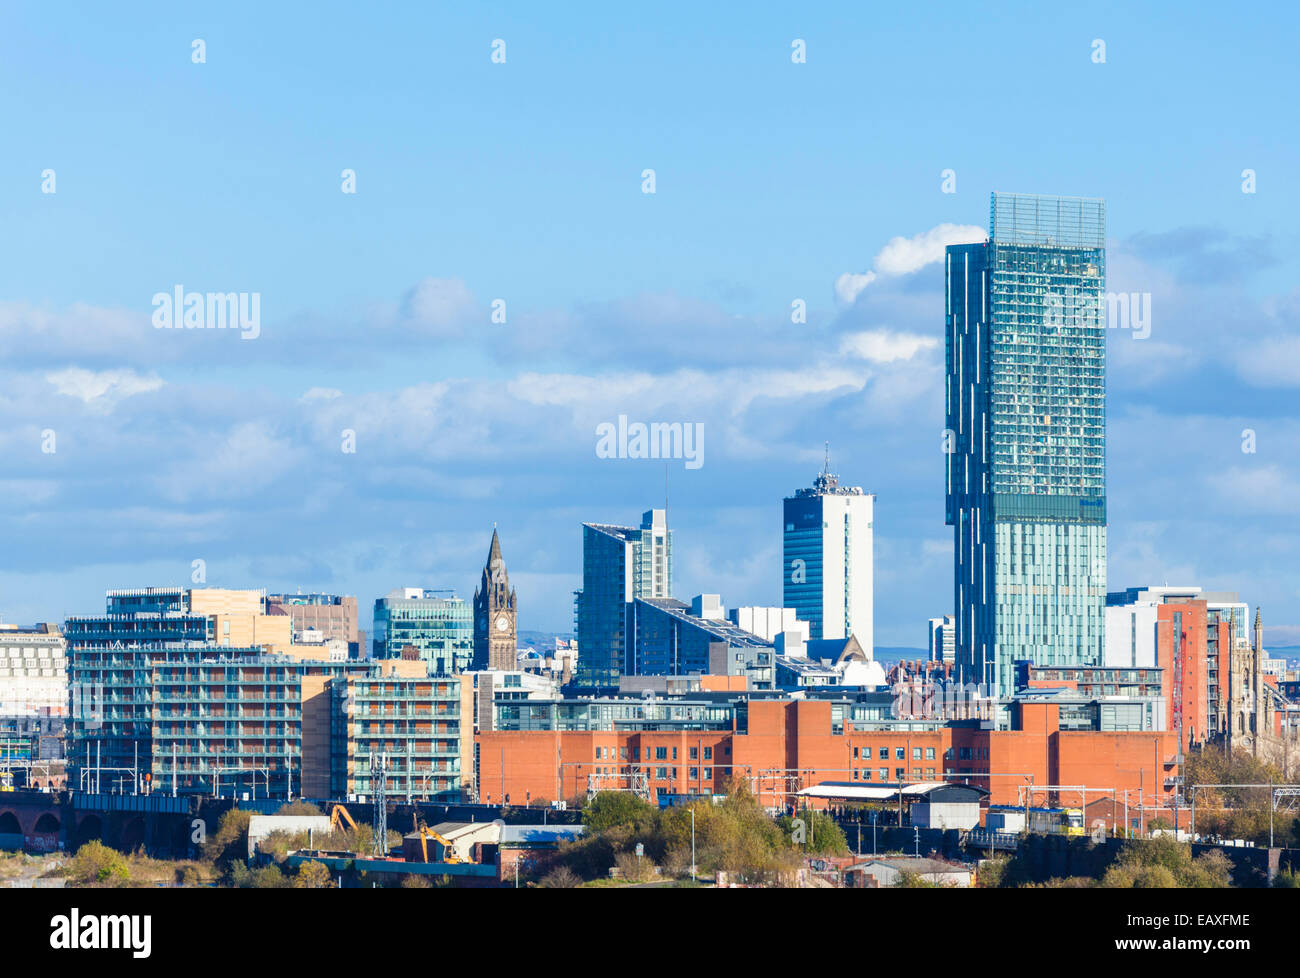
619,565
495,615
827,559
1026,437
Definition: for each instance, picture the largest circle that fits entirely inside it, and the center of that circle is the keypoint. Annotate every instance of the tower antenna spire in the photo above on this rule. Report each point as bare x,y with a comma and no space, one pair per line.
828,458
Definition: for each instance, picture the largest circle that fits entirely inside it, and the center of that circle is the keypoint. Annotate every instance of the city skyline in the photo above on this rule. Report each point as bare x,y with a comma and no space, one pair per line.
175,446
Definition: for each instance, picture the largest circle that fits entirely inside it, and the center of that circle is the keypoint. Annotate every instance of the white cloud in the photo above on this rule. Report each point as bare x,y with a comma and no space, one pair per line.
1271,363
848,286
884,346
441,306
1266,489
321,394
902,256
102,388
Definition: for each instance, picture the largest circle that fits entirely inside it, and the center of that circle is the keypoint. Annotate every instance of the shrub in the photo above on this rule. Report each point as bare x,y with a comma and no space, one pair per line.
97,863
562,878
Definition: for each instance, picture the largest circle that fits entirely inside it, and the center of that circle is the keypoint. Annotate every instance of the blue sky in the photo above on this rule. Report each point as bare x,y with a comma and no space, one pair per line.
522,181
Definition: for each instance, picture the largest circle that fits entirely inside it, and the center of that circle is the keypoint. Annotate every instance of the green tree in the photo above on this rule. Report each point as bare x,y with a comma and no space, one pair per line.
313,876
617,808
230,842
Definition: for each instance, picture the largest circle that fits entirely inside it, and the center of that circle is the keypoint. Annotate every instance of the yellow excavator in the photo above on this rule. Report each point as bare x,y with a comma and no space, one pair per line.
339,815
426,833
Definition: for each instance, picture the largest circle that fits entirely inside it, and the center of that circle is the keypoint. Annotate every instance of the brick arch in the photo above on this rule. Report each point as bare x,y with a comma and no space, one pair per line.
89,829
47,822
132,834
9,823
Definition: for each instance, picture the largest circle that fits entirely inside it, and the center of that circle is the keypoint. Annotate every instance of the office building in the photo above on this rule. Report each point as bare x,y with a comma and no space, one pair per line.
619,565
435,627
768,623
333,616
33,671
941,639
672,638
828,563
697,744
1025,440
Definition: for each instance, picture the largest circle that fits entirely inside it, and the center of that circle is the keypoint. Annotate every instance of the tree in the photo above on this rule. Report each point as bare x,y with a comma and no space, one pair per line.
298,807
617,808
230,842
821,833
313,876
1165,862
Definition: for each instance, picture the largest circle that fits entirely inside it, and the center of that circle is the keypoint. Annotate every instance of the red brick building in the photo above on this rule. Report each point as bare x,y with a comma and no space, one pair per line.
786,745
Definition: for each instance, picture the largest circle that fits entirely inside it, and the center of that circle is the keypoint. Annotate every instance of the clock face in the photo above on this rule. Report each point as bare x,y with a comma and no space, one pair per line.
503,623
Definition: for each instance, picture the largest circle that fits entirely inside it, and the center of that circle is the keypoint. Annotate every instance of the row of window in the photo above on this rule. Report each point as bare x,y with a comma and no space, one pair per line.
660,753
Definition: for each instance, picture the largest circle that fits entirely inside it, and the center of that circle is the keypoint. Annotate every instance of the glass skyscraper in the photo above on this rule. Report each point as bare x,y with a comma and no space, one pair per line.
619,565
1026,437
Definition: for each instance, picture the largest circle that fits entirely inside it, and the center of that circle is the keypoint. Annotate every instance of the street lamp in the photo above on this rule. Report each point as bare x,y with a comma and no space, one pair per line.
692,843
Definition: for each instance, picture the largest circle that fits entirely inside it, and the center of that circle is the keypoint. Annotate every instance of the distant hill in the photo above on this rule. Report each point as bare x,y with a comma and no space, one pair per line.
540,640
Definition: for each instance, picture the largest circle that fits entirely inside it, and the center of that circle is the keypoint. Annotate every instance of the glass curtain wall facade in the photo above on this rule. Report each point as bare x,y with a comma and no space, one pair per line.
1026,420
440,629
619,565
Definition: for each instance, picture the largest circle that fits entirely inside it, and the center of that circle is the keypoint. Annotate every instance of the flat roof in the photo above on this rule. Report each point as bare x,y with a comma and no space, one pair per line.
879,792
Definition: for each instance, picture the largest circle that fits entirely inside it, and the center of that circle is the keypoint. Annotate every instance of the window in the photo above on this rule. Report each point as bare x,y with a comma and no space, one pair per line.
900,773
855,753
661,753
708,753
708,774
661,773
674,753
695,752
900,754
884,774
929,753
884,753
695,774
916,753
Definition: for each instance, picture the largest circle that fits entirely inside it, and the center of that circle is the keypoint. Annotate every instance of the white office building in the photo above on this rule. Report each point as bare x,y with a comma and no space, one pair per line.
828,561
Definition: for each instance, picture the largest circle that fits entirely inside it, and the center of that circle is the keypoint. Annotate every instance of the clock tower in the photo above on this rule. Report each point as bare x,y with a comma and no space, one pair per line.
495,645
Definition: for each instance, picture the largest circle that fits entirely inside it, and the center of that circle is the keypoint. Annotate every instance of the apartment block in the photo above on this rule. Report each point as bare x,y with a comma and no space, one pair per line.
415,724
